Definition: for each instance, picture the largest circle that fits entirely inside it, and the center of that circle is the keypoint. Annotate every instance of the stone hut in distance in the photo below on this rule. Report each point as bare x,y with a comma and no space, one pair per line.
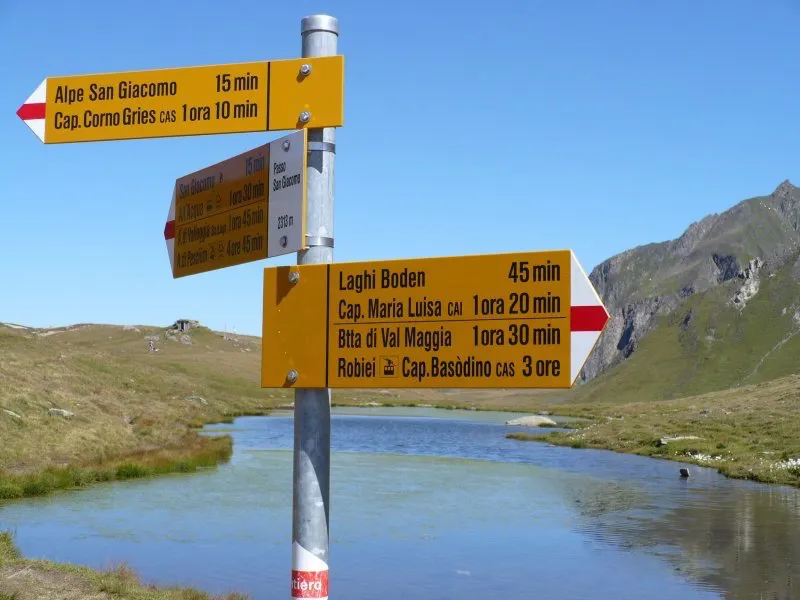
184,325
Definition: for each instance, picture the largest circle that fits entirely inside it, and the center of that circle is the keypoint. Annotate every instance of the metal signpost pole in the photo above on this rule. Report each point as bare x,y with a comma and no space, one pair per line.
312,408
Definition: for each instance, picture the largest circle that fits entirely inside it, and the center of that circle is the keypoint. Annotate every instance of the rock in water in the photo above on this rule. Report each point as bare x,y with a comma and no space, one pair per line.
531,421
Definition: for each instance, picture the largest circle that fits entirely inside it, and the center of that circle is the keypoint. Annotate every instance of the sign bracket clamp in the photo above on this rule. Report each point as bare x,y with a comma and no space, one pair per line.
314,241
316,146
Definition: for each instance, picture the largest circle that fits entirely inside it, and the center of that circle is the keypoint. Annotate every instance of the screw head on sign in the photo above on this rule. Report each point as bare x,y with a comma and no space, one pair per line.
291,376
305,69
286,145
305,116
294,277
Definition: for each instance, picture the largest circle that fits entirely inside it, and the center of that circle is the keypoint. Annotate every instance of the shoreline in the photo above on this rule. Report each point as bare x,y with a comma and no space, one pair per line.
189,453
706,452
729,470
590,418
738,437
24,578
595,427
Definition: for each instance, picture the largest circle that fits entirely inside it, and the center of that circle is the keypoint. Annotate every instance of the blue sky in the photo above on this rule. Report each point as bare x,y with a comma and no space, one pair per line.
470,128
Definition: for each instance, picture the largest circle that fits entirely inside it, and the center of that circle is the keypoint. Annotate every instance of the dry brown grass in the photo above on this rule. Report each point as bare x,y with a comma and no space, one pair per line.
125,399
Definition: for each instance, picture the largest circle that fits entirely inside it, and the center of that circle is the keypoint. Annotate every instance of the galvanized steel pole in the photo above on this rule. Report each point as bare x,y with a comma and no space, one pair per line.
312,407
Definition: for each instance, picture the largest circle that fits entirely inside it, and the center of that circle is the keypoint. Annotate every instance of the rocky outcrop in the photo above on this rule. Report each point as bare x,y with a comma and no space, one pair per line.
532,421
677,438
750,283
60,412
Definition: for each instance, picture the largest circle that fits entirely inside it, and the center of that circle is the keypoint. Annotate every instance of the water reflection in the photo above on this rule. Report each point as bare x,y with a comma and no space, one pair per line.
746,543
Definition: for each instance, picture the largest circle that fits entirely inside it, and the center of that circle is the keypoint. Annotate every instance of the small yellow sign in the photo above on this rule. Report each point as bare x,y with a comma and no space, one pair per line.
242,209
492,321
216,99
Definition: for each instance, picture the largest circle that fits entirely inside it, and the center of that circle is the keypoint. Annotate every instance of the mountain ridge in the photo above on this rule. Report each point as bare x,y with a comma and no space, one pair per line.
733,250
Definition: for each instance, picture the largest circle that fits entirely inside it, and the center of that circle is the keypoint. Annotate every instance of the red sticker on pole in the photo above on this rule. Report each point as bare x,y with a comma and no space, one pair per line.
309,584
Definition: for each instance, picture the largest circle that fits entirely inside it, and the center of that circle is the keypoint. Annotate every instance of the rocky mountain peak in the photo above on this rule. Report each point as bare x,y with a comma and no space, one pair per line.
787,199
787,191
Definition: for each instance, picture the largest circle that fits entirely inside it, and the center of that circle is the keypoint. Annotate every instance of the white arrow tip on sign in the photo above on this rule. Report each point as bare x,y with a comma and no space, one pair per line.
33,111
588,318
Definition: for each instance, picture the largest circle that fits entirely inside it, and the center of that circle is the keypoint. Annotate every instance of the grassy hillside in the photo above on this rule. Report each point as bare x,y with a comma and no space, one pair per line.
125,399
707,344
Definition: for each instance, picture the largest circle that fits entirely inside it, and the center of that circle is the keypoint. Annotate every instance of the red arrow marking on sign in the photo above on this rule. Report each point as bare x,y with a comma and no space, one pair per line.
169,230
587,318
35,110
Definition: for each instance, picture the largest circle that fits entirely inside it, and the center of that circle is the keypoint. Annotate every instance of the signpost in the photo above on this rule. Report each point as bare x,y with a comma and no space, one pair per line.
248,207
233,98
252,206
312,407
526,320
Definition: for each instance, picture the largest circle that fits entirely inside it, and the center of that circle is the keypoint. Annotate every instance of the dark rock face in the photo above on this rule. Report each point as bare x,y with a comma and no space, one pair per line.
728,267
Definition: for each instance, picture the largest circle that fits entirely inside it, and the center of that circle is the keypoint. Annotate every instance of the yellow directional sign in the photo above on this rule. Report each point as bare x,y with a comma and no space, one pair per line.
526,320
248,207
232,98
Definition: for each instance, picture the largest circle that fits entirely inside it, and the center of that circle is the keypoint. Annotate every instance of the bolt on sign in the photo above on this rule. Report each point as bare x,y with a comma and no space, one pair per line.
246,208
526,320
234,98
